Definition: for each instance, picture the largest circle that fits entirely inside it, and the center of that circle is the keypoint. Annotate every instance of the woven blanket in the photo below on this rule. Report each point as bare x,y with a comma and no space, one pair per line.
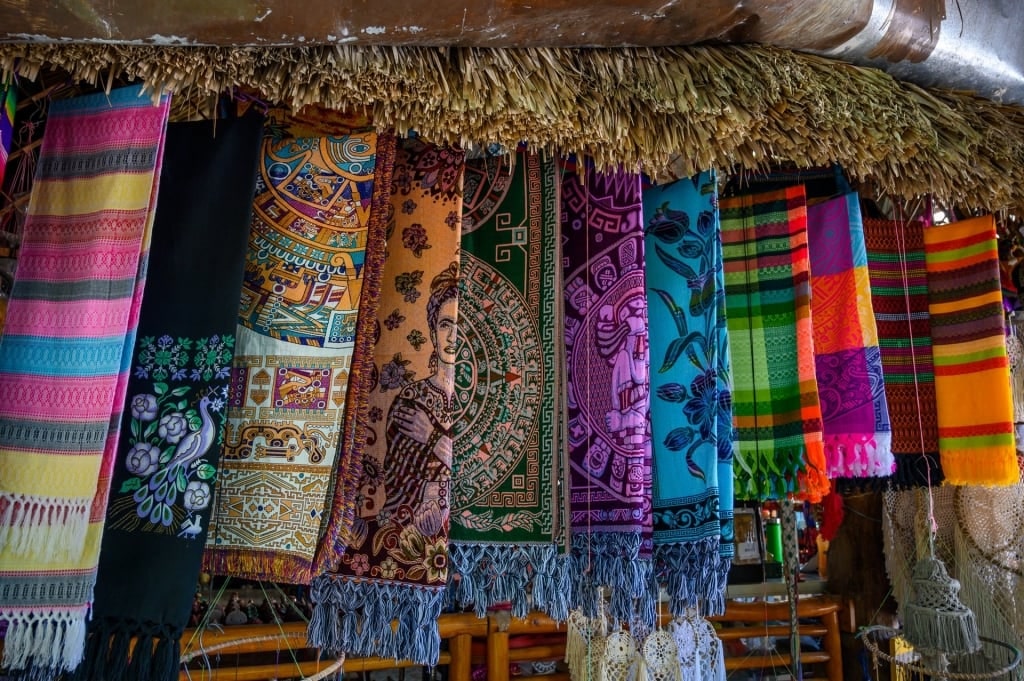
8,99
775,393
159,506
691,400
848,363
362,373
899,296
396,566
504,495
606,365
296,333
64,361
972,376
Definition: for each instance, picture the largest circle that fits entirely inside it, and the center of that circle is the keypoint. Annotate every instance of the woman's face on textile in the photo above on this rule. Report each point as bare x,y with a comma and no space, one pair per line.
444,335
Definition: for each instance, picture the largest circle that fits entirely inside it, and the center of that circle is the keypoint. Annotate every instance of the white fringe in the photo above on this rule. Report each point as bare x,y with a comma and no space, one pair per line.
43,529
54,641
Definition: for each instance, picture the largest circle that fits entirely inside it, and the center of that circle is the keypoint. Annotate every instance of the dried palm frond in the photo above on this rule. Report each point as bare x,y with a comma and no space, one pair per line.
667,111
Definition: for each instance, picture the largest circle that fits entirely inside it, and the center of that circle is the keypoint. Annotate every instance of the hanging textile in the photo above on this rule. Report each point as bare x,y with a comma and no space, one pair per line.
335,536
775,394
64,362
848,363
296,332
899,296
972,380
395,568
606,365
8,99
691,402
504,496
163,476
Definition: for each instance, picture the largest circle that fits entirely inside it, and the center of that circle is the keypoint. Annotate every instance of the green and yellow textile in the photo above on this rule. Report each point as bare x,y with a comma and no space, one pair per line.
691,400
505,498
775,394
386,595
972,372
296,333
64,363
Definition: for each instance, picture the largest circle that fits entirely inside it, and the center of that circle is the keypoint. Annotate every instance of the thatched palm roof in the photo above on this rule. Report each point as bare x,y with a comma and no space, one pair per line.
666,110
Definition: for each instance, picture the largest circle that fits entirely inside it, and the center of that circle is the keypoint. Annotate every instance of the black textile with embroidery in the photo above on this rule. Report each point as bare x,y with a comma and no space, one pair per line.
173,425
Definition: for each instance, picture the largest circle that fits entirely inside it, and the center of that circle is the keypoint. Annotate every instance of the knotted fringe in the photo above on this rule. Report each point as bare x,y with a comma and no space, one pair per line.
44,645
109,655
43,528
984,465
776,473
529,577
692,575
859,456
381,619
611,561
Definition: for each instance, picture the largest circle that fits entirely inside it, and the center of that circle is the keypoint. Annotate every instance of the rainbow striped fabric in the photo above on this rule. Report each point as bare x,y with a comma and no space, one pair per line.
64,363
972,374
775,393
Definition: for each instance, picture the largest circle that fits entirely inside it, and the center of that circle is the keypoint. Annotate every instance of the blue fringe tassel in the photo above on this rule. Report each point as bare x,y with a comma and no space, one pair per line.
355,617
532,576
612,561
694,574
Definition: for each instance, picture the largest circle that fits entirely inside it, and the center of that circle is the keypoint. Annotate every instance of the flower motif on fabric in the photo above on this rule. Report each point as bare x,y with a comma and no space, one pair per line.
174,427
395,373
414,237
416,339
407,284
213,358
686,249
163,358
394,320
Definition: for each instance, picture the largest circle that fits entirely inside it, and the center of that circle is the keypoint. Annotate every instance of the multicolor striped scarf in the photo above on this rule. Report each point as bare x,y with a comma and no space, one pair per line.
607,364
691,401
8,98
386,596
64,361
848,364
972,376
899,296
296,334
159,504
506,521
775,393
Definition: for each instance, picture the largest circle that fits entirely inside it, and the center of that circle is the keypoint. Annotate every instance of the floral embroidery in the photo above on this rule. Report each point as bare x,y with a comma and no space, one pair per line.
174,427
406,283
416,338
376,414
394,374
452,220
213,358
414,237
163,358
394,320
408,206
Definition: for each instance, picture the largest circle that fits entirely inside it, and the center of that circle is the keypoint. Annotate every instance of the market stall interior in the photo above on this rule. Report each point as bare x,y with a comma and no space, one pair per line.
661,343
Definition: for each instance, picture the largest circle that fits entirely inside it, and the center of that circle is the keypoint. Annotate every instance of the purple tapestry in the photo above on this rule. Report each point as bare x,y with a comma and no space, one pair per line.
608,431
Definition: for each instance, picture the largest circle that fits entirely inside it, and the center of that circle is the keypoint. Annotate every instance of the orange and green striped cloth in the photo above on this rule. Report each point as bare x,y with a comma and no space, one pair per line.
972,375
775,393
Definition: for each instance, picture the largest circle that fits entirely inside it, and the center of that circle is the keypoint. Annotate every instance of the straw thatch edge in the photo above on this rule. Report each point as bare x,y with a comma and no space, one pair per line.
670,111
